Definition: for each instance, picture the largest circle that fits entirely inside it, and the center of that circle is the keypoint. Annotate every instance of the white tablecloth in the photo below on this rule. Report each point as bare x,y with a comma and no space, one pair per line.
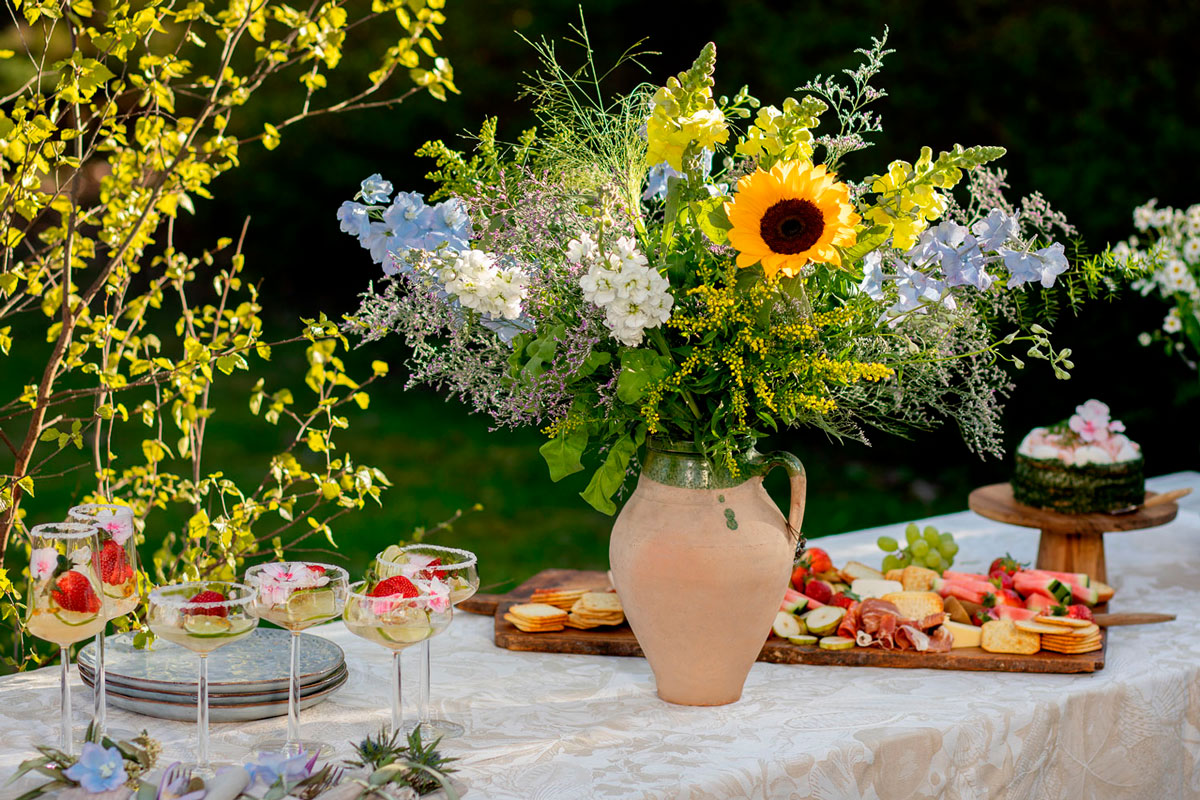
556,727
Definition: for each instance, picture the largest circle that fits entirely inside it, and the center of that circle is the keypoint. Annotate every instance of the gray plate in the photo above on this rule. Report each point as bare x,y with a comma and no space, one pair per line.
243,712
228,698
257,663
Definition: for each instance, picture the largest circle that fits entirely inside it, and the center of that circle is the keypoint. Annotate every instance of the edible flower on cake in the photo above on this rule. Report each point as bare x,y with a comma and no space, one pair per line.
1089,436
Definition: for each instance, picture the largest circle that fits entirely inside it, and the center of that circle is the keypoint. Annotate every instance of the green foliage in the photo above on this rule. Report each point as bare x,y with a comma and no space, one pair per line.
456,175
110,138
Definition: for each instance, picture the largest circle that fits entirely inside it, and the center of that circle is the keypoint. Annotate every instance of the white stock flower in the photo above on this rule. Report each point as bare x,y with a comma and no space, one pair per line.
1144,339
481,285
1191,251
633,295
1143,216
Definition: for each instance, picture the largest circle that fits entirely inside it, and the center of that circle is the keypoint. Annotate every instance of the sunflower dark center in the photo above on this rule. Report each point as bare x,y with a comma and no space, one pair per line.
792,226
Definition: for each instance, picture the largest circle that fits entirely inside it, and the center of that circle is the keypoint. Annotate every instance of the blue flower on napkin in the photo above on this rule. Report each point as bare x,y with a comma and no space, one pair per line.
270,767
98,770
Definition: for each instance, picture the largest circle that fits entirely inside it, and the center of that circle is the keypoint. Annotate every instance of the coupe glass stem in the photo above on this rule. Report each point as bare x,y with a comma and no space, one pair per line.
202,715
426,669
100,714
293,724
397,711
66,741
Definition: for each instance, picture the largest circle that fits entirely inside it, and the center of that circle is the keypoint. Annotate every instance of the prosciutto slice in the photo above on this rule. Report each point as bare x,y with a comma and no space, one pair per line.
849,626
879,622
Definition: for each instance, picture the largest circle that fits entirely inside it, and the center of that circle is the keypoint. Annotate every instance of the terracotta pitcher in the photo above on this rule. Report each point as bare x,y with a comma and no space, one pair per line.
701,560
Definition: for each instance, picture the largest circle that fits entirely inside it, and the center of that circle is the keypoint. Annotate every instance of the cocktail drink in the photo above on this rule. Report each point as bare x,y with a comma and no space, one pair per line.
396,613
65,603
296,595
118,567
202,616
458,569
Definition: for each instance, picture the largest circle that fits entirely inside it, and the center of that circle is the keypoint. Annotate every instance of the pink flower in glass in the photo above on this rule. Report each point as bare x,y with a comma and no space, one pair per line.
42,562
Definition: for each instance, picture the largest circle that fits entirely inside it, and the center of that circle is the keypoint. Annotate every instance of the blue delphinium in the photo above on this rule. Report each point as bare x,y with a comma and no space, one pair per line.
1041,265
996,230
957,252
375,190
355,219
873,277
914,289
98,770
270,767
659,175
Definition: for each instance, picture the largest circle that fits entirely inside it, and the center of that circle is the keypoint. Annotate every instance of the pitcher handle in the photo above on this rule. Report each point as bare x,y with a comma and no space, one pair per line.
799,482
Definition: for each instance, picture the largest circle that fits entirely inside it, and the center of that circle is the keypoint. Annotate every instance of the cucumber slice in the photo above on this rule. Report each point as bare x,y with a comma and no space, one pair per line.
803,639
824,620
836,643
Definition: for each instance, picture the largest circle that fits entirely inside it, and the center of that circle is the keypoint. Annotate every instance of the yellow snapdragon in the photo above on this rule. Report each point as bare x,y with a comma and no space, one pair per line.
907,207
782,135
683,115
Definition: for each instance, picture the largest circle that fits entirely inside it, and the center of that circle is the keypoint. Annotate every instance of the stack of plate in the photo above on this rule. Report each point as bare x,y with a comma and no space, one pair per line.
247,679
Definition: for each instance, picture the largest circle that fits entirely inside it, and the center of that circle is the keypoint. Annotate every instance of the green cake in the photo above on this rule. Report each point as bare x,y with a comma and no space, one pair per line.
1081,465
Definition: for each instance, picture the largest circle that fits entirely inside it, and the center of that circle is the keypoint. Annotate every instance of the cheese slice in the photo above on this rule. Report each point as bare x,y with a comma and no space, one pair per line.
964,635
874,587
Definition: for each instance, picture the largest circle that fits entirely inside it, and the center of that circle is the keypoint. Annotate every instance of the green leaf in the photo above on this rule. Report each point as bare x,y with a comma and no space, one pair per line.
713,221
611,475
564,454
639,369
868,240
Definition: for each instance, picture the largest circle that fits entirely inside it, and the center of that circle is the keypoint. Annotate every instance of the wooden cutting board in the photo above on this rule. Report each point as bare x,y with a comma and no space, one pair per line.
620,641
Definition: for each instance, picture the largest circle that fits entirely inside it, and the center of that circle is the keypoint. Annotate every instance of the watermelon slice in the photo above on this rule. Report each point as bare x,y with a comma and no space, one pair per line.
984,586
793,602
1015,614
1039,603
1085,595
1028,583
963,590
1070,578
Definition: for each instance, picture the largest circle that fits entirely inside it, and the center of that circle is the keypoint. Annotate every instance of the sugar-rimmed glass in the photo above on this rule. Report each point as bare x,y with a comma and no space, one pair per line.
118,568
458,568
396,621
202,616
296,595
65,604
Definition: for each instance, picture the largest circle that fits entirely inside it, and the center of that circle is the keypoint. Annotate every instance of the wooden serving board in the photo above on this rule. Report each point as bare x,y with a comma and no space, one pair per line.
620,641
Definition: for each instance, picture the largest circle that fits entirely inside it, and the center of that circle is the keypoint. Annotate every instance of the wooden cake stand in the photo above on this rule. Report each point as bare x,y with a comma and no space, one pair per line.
1070,542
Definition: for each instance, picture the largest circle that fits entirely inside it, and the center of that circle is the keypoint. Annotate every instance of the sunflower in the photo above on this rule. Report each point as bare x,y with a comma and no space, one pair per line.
789,216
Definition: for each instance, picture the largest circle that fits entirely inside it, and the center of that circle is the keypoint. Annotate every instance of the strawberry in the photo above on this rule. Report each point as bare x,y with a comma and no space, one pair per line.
821,591
73,592
1010,598
316,569
843,599
799,576
397,584
1000,579
429,573
206,597
817,560
114,565
1005,564
1080,612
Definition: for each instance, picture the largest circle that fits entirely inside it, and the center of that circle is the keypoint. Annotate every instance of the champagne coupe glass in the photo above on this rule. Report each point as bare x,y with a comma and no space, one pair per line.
65,602
202,616
455,567
118,563
296,595
397,613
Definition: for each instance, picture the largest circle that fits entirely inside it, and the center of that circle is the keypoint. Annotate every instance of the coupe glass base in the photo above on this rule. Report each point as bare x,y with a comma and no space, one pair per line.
276,745
440,729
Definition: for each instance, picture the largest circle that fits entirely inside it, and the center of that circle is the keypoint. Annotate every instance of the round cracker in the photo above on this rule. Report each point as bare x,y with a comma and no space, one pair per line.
1068,622
1030,626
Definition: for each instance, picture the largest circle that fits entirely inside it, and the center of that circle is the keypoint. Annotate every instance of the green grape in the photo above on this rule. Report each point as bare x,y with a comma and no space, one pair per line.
887,544
946,537
912,532
933,559
948,549
891,562
931,536
919,548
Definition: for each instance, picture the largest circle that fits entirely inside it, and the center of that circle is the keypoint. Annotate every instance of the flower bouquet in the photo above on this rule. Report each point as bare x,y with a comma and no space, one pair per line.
1169,261
662,279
